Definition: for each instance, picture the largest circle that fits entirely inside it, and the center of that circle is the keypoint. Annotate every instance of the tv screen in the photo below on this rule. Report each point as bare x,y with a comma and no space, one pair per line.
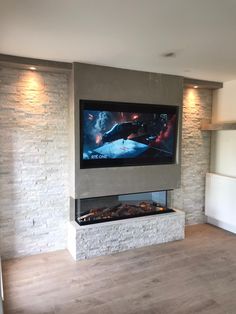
126,134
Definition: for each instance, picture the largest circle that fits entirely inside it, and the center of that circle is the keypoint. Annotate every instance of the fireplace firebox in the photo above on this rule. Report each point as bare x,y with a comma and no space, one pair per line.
108,208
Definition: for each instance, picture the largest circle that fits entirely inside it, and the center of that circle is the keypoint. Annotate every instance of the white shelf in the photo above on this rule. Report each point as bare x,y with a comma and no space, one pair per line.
206,125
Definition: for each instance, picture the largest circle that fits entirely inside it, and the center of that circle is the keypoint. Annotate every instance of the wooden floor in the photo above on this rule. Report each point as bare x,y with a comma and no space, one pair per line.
196,275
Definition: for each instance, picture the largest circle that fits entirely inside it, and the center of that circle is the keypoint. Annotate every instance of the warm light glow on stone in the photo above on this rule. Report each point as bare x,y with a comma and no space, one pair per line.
32,92
191,97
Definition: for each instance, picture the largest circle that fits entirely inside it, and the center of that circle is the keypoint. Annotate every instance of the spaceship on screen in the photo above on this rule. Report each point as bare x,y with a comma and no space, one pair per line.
122,131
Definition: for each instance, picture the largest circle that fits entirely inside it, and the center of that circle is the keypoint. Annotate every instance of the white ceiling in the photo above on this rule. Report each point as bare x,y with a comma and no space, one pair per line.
130,34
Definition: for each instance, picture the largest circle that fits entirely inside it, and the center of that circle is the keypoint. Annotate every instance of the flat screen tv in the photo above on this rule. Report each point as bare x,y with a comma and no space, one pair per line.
126,134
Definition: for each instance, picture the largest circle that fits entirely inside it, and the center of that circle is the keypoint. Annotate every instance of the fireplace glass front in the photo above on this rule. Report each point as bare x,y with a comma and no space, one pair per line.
102,209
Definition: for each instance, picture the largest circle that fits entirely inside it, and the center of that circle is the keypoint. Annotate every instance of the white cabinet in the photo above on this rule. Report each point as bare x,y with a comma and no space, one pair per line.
220,201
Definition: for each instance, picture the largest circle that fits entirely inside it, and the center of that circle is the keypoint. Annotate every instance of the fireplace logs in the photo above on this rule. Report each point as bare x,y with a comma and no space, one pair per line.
121,211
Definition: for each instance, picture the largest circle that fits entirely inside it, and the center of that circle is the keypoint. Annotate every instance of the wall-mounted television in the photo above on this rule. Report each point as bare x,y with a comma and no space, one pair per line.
127,134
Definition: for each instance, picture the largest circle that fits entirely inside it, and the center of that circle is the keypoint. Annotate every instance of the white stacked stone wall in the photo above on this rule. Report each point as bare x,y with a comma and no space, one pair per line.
195,155
33,161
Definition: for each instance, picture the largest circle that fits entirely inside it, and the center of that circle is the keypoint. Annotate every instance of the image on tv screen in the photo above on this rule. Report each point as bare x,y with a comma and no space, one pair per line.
129,136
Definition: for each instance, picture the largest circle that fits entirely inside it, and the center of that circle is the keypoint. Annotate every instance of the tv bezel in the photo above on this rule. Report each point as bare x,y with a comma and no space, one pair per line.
114,106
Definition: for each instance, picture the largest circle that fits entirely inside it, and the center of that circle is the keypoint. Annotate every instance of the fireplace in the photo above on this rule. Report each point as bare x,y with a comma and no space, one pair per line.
110,224
109,208
143,111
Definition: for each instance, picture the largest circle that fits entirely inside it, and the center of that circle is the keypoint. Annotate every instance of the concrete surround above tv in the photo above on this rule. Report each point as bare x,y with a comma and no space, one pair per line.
95,82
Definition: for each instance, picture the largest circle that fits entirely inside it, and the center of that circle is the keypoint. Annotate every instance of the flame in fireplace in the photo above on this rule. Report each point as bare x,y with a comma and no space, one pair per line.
121,211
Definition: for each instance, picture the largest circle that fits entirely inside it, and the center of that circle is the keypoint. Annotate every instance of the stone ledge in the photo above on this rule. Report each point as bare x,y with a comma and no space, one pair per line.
120,235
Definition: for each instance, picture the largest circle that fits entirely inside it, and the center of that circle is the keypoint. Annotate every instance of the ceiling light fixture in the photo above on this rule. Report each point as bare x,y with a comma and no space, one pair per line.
32,68
195,86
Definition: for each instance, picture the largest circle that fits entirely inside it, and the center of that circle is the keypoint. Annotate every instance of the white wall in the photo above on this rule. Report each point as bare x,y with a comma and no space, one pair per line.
220,185
223,156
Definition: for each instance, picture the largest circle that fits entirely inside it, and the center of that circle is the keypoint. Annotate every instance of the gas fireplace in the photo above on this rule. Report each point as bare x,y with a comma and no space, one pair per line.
102,209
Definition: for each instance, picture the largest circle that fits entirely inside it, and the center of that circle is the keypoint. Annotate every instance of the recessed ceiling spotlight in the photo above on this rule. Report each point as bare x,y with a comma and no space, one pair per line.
170,54
195,86
32,68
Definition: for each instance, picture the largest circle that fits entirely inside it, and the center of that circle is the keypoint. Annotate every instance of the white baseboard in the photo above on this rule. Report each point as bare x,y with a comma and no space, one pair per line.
221,224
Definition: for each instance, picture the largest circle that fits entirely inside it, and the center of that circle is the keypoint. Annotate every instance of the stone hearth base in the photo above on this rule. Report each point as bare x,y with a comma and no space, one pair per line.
116,236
